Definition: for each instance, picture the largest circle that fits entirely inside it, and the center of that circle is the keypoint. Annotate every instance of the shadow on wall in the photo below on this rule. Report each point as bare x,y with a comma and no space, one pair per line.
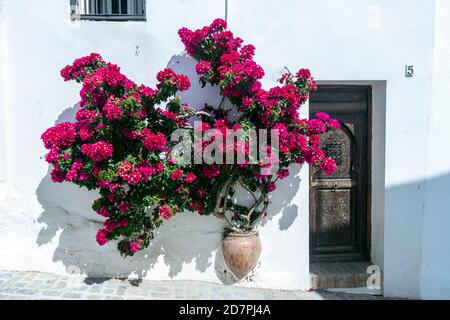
435,276
187,238
417,262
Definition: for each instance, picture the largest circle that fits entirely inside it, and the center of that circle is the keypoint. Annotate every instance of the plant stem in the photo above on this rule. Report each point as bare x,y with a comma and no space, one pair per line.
221,103
246,188
257,220
222,197
256,204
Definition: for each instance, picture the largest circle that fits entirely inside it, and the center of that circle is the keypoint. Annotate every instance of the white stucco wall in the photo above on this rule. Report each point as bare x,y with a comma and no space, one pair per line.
345,41
365,40
51,225
2,103
435,272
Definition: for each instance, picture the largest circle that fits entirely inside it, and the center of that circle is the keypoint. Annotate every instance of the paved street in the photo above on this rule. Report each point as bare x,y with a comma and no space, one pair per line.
33,285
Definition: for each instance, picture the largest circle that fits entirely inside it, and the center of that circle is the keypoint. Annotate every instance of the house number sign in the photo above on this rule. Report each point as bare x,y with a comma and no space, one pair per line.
409,71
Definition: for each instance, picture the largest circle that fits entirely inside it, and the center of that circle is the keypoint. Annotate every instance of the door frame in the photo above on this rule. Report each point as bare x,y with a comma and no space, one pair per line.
368,214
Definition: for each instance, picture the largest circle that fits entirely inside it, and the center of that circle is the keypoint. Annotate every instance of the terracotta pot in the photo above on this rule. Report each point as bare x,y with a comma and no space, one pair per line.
241,252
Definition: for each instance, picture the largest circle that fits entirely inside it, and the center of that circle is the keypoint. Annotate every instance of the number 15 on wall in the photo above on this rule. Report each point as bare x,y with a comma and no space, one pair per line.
409,71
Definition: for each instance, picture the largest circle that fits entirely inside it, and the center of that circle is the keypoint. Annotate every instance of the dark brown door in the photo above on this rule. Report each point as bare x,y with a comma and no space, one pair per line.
339,202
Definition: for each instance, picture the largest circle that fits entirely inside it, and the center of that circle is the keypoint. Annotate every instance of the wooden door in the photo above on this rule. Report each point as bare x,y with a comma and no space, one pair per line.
339,215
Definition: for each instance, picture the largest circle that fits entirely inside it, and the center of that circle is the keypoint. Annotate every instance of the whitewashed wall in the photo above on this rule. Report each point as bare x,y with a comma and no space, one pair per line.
367,41
357,40
51,225
435,271
2,99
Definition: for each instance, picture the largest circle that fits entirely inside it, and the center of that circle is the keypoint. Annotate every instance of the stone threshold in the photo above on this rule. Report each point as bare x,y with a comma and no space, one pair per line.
341,275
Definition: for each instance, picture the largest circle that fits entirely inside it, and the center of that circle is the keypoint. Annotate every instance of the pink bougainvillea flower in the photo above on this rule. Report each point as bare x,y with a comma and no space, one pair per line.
112,110
120,142
333,123
61,135
304,73
86,132
181,81
104,212
202,67
52,156
328,165
165,212
190,177
211,171
134,178
271,186
125,168
97,151
176,175
57,175
123,206
101,237
283,173
316,127
153,141
322,116
135,246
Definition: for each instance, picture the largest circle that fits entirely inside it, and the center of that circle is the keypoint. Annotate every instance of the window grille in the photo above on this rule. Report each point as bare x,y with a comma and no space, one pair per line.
108,9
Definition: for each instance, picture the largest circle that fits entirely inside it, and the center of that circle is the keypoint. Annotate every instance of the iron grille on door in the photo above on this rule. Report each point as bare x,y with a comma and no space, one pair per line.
108,9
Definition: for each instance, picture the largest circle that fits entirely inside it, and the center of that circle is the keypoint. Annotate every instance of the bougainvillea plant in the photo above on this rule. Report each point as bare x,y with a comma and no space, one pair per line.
121,140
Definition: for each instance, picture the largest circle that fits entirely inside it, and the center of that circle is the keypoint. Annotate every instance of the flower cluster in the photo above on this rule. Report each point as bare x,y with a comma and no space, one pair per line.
202,67
97,151
81,67
59,136
110,147
153,141
180,81
120,143
224,60
111,110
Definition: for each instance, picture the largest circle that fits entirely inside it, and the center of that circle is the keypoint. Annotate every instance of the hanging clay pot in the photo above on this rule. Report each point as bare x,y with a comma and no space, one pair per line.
241,252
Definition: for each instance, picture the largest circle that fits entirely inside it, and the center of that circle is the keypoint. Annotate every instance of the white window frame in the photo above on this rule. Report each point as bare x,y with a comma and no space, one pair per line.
102,10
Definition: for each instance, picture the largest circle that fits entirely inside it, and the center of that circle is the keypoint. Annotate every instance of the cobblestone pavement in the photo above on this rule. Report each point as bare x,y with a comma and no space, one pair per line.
34,285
